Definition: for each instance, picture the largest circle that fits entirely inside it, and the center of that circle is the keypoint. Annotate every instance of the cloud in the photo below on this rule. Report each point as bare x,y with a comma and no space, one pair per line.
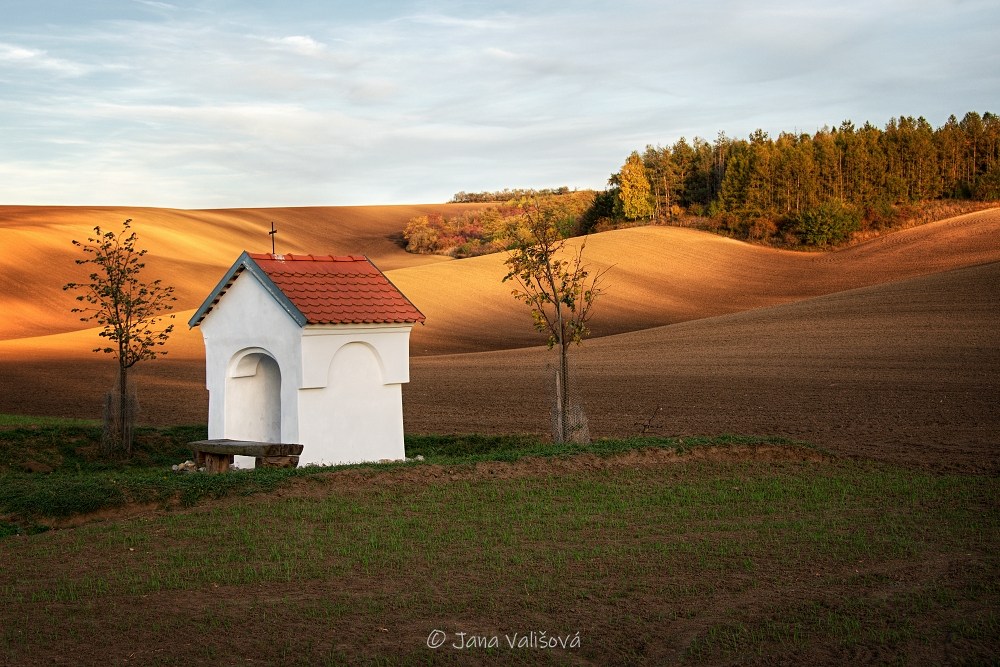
302,45
271,103
502,54
372,91
39,59
157,5
441,20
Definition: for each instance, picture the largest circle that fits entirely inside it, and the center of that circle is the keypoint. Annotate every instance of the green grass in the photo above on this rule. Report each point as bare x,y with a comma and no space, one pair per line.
701,563
709,561
76,480
71,477
457,449
74,445
12,421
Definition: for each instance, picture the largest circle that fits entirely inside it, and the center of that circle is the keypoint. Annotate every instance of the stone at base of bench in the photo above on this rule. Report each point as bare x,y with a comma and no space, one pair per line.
277,462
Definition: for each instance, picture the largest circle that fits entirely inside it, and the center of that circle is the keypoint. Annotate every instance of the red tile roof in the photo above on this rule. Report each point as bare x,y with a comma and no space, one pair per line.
337,289
325,289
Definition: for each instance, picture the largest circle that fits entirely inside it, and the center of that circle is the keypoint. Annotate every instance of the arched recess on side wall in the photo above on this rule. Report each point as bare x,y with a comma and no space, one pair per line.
357,393
253,397
359,361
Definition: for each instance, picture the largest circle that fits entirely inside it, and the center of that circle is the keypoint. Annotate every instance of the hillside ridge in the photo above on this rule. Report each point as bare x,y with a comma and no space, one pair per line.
658,276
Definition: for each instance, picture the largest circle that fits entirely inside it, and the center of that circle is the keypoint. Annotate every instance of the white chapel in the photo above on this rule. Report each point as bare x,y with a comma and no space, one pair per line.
311,350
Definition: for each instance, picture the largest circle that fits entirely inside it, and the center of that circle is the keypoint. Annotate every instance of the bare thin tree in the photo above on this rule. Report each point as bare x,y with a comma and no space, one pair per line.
560,290
130,313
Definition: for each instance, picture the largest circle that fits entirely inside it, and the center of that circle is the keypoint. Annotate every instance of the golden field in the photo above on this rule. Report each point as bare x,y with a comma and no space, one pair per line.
888,349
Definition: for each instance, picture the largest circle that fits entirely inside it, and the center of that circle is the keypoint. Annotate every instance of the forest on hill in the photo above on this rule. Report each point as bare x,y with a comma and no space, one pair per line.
797,189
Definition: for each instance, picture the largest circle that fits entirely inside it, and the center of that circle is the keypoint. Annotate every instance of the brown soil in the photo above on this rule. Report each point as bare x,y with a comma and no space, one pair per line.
888,349
907,372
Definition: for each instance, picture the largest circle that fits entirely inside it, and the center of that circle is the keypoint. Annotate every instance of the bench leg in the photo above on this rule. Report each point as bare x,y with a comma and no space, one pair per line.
215,463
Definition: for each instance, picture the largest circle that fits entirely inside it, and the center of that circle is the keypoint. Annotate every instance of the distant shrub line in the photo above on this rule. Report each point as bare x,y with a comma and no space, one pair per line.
506,195
491,228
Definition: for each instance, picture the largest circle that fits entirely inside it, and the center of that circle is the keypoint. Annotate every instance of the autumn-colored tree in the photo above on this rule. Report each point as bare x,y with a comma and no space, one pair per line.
752,186
634,193
560,290
420,235
129,312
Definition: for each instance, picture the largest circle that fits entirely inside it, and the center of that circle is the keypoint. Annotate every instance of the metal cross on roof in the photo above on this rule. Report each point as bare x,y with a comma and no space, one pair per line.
272,233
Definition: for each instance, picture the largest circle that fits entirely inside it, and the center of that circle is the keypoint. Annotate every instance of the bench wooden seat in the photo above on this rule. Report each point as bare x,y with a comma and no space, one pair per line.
216,455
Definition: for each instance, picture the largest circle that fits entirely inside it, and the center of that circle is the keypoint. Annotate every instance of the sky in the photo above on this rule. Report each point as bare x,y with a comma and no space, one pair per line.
250,103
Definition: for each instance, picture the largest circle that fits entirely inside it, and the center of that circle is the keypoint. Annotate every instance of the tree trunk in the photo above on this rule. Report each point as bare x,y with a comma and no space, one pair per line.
120,408
564,392
558,411
124,432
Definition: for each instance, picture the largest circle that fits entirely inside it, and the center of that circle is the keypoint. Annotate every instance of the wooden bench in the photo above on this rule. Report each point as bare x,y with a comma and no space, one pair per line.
216,455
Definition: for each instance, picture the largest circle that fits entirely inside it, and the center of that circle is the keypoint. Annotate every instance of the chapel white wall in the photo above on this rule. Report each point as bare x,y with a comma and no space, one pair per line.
357,416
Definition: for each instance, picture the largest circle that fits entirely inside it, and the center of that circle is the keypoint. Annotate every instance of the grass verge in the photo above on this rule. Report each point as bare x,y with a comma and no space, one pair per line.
70,478
750,562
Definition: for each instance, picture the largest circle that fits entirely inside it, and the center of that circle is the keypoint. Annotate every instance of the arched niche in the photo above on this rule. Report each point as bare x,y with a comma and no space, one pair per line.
253,397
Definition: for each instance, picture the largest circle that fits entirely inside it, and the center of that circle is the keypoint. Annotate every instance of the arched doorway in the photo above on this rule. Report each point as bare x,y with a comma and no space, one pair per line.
253,397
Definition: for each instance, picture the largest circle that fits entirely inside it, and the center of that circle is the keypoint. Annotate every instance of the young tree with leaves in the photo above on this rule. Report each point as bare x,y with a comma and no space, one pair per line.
560,291
130,313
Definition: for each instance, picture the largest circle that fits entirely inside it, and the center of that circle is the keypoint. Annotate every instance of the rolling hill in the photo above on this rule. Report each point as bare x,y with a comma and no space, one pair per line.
888,348
191,250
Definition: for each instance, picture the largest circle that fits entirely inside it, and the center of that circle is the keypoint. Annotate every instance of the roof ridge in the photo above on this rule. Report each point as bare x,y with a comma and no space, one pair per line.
293,257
